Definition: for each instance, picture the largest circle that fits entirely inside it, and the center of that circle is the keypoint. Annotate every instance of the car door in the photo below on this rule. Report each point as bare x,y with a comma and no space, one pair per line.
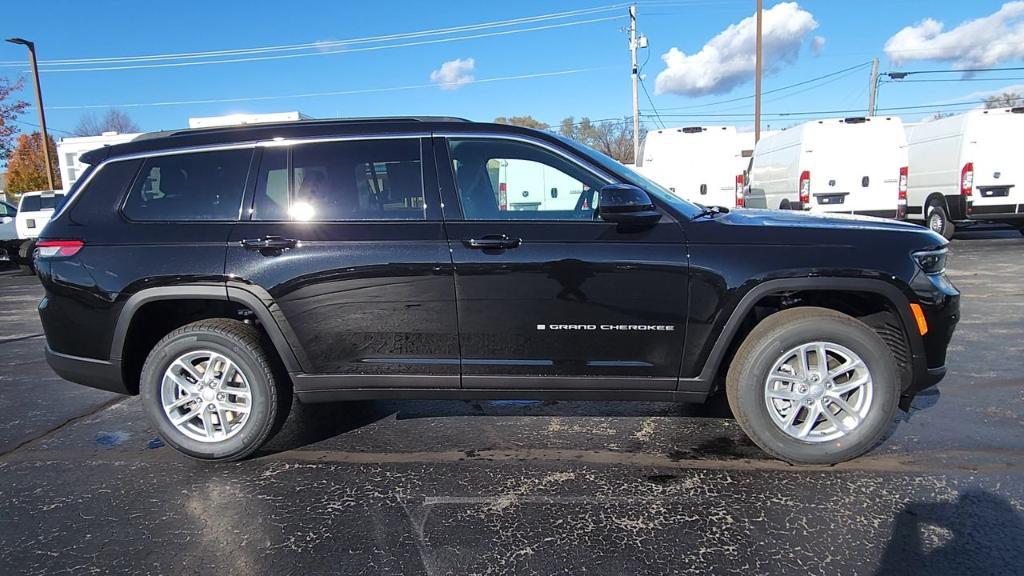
344,242
549,297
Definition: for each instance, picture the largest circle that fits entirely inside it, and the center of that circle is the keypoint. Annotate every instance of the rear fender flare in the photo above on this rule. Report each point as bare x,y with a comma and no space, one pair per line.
205,292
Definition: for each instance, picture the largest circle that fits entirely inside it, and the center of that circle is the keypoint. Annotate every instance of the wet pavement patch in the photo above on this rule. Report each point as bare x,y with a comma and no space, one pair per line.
112,439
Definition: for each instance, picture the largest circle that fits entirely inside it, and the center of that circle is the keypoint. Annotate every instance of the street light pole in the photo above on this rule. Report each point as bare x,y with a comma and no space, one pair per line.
39,103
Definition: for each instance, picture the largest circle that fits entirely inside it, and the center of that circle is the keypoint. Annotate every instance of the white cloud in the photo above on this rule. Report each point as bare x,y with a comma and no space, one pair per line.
727,60
977,43
454,73
817,45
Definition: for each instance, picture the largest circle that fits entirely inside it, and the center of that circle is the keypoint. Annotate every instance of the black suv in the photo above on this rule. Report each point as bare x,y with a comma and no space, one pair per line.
217,272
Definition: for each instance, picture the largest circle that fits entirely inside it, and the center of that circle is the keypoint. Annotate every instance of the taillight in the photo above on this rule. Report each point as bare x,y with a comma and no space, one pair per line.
805,188
502,196
740,201
967,179
58,248
901,204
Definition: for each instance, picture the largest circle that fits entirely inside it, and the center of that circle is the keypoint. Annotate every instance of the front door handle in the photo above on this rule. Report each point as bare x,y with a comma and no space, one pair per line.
493,242
270,243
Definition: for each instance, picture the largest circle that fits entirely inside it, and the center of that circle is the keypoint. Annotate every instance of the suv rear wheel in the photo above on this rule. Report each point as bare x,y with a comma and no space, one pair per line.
212,391
813,386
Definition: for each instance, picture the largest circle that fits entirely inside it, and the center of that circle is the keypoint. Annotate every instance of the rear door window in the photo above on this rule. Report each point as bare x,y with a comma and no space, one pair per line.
199,186
340,181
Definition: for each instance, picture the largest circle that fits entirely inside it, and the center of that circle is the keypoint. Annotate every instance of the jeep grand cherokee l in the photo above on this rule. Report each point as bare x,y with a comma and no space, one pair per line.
220,272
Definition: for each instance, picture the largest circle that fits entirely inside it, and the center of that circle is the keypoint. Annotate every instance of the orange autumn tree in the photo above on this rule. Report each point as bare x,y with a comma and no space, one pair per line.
26,168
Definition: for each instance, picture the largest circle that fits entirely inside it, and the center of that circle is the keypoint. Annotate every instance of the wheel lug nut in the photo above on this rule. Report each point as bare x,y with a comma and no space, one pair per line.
220,396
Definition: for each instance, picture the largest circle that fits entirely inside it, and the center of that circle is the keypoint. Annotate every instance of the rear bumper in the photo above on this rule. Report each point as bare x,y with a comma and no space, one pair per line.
87,371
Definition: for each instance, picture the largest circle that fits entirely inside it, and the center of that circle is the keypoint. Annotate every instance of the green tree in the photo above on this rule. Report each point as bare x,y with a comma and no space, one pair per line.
10,109
524,121
26,169
1004,100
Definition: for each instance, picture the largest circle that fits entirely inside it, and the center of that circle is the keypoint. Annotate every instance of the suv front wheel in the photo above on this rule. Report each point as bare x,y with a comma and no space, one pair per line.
813,386
211,390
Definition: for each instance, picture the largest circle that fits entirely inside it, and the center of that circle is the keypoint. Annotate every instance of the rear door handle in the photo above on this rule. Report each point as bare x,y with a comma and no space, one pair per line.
270,243
493,242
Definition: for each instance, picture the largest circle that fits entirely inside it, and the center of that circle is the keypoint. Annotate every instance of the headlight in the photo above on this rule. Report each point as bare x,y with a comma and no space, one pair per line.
931,261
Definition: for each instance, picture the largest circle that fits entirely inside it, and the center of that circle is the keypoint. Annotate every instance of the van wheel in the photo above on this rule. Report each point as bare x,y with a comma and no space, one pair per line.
813,386
211,390
784,205
938,220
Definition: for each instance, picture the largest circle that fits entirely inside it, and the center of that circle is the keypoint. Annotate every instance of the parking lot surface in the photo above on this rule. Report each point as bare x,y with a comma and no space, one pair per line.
515,487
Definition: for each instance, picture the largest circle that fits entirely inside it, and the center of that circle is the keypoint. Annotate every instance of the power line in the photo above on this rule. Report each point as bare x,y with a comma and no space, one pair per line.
924,107
322,44
328,52
954,71
319,94
801,83
951,80
48,127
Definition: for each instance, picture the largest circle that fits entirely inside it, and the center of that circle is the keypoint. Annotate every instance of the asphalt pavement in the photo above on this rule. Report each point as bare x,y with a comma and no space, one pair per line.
415,487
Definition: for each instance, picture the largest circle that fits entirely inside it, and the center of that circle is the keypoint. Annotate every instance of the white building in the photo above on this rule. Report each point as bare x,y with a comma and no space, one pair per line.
237,119
69,149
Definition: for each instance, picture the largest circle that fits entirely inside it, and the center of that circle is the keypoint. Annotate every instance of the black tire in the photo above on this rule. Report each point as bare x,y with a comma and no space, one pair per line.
241,343
938,219
783,331
785,205
25,252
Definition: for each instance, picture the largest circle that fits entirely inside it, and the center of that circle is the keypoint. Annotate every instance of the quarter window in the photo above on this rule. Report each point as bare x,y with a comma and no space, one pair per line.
508,180
338,181
186,187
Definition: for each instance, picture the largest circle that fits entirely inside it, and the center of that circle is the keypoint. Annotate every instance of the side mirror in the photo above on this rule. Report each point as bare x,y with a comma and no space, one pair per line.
626,204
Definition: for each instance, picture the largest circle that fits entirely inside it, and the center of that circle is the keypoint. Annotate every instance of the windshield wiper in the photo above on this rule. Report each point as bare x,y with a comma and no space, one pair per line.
711,211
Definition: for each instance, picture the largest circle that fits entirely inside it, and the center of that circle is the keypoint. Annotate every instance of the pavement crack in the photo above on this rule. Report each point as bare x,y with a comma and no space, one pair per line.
40,437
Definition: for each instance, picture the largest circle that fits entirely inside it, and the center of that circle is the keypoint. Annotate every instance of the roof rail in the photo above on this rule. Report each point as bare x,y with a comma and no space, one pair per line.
309,122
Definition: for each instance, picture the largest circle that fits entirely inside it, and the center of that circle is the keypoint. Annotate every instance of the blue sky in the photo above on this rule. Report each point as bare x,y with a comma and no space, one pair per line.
851,33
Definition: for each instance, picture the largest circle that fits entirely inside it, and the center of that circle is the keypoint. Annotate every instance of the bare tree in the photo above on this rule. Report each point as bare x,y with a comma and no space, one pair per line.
1004,100
613,137
113,121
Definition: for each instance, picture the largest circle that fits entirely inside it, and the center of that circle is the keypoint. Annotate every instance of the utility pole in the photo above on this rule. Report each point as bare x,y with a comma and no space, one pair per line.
636,77
874,87
757,75
39,103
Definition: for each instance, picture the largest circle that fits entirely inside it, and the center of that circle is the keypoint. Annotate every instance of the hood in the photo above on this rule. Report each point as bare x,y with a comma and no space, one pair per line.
752,226
798,218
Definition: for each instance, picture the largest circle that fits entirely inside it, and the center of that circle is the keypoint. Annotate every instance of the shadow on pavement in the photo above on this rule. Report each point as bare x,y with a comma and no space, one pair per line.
980,533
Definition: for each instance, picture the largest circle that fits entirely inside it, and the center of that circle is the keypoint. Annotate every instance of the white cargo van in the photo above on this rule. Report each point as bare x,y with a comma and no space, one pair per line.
702,164
966,169
528,185
35,210
848,165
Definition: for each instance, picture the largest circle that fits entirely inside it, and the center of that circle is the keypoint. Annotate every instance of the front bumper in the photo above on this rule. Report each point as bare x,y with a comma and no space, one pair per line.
87,371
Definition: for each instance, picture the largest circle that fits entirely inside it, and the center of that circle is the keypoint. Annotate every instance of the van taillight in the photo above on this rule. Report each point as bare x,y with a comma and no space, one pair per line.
805,187
967,179
58,248
503,197
740,200
901,204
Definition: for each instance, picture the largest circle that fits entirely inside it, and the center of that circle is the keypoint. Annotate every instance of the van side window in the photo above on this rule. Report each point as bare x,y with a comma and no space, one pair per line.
340,181
509,180
187,187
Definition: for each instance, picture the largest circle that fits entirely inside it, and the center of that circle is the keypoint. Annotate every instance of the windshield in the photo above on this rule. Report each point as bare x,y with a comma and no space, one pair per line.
633,177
